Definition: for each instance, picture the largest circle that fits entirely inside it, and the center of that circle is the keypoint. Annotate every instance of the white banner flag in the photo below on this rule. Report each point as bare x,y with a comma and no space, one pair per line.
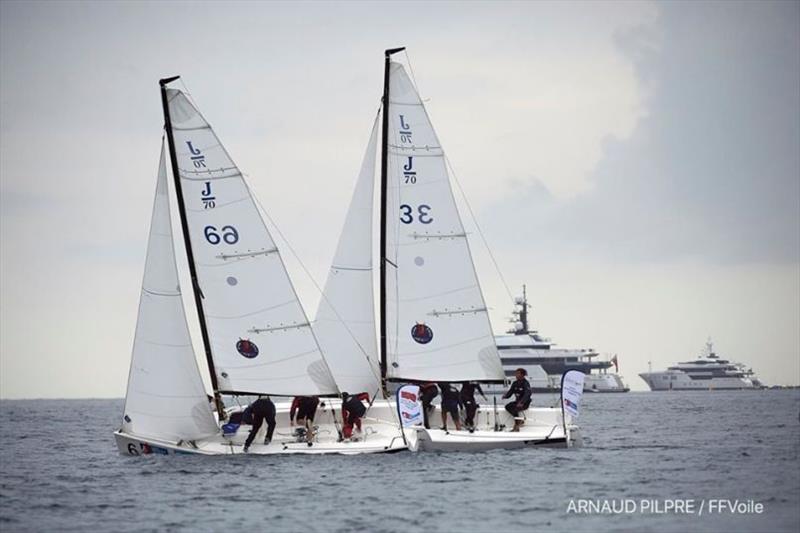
408,406
572,391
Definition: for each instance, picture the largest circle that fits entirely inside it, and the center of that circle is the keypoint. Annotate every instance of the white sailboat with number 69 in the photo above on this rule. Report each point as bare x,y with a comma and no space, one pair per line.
256,337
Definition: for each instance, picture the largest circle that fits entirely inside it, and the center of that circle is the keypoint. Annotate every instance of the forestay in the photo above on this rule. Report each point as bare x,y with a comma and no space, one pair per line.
345,322
260,338
166,399
437,322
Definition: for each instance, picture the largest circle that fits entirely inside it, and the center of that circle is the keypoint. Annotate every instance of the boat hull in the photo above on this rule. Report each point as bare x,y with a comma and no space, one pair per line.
680,381
543,428
136,446
437,440
380,434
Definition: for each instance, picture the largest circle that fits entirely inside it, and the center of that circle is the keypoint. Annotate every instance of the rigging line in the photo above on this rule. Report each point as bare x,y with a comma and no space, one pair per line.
313,280
478,227
411,70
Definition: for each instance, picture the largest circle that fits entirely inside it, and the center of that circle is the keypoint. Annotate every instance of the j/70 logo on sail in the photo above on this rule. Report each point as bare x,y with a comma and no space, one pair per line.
247,348
422,333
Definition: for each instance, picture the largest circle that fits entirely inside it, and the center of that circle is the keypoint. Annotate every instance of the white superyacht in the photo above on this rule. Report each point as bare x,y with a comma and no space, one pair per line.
707,372
525,348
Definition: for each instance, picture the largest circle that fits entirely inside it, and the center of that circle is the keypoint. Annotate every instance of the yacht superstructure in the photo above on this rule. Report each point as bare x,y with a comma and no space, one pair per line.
525,348
707,372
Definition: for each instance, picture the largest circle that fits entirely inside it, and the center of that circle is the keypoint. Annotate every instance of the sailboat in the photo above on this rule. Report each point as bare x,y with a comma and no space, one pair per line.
256,336
432,320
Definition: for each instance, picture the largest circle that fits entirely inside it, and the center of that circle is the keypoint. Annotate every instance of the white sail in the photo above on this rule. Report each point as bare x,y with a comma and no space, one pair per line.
345,322
166,399
261,340
437,322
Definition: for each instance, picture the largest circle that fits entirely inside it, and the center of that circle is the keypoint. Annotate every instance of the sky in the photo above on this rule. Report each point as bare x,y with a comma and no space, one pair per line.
635,164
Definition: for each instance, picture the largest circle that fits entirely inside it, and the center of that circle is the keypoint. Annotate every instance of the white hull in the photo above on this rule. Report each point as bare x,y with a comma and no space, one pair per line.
380,434
517,353
672,380
543,427
437,440
603,382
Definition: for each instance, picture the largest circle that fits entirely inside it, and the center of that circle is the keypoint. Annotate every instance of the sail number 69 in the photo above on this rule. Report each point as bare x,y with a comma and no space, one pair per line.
423,214
229,235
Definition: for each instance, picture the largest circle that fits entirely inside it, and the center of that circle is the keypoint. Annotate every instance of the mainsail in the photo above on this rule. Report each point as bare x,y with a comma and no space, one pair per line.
436,320
166,399
345,322
259,336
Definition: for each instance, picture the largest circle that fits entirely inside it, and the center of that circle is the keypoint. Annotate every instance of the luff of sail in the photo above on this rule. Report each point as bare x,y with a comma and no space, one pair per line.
260,338
437,323
166,399
345,321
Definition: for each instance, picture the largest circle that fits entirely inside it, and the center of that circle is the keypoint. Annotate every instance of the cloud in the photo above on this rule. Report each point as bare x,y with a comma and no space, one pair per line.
713,171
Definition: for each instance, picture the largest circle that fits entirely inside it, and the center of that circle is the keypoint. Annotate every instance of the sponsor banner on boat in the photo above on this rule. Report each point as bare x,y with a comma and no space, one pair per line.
572,391
408,406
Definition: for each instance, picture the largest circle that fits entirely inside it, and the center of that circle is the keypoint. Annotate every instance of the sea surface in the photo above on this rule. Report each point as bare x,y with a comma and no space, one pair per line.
60,471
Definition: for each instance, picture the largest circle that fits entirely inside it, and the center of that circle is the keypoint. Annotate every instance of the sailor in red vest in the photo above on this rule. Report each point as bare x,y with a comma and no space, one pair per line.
352,411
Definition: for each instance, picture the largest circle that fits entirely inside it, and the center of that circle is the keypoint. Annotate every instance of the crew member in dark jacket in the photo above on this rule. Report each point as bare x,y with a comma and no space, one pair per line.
521,390
427,392
306,409
256,413
352,411
468,401
450,404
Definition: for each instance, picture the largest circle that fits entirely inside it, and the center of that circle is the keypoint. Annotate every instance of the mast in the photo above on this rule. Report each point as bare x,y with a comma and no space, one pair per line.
198,295
384,164
523,314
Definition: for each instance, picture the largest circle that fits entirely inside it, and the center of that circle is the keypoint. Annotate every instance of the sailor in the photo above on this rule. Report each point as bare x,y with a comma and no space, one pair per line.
521,390
306,408
428,392
450,404
256,414
352,411
468,401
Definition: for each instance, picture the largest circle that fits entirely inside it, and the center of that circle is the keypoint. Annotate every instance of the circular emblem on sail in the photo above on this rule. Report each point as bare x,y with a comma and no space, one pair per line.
422,333
247,348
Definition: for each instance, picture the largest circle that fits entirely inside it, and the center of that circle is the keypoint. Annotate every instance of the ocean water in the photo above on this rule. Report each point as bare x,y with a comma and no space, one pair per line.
60,471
